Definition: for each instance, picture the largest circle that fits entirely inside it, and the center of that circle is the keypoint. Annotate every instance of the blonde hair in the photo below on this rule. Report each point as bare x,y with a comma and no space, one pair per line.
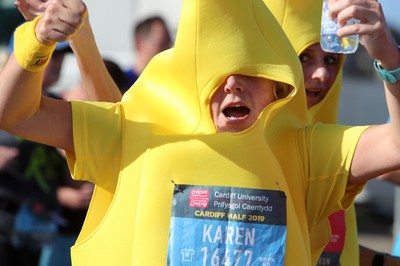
282,90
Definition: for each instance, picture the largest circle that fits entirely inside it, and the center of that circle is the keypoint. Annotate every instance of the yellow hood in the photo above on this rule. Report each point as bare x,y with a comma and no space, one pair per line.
215,39
301,21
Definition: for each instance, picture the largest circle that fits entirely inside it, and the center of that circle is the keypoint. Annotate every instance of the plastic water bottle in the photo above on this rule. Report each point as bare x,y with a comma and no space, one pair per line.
330,42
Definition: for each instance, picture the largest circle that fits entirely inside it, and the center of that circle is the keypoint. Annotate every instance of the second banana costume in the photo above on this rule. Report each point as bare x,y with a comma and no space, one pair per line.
301,21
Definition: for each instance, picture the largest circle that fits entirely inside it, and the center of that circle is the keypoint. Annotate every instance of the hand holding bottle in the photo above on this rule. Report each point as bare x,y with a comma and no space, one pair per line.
374,33
330,41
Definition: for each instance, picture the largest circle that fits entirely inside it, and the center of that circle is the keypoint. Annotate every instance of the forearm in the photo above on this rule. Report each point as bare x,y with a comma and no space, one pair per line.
369,256
389,59
96,80
393,101
384,140
375,36
20,95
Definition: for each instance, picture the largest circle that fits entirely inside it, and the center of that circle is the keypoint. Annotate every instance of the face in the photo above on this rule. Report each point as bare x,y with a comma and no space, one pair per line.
320,69
238,102
158,41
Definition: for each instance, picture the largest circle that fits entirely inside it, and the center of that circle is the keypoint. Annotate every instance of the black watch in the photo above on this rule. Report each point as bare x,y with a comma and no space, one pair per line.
379,259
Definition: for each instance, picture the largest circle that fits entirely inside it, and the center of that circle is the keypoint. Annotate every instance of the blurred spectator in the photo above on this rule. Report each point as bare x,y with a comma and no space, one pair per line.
150,37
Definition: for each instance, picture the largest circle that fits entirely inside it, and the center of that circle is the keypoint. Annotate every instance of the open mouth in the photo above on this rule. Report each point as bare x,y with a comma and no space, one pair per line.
312,93
235,112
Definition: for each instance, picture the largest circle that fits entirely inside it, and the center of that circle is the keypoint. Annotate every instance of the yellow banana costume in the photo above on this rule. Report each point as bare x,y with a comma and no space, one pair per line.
172,191
301,21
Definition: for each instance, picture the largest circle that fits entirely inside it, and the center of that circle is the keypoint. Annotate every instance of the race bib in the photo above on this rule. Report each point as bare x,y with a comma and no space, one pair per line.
227,226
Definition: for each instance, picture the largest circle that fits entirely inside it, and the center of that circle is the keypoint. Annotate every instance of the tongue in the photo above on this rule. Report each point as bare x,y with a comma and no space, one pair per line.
236,112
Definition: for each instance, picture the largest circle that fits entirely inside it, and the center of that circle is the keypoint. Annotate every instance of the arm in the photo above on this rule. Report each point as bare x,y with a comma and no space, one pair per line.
23,109
367,257
75,198
26,113
7,155
96,80
378,150
393,177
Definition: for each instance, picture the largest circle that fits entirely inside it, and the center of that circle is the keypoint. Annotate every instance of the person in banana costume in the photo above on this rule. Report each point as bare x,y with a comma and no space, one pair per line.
323,73
210,158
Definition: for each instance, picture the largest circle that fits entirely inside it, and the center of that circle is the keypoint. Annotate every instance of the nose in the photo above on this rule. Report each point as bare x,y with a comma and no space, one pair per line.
320,73
234,84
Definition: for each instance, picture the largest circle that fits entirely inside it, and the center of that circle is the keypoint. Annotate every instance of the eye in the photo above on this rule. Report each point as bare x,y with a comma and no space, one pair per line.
331,59
304,57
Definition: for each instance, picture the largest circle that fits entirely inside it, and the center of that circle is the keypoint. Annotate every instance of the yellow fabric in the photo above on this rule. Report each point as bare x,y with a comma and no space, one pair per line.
31,54
301,21
162,134
350,255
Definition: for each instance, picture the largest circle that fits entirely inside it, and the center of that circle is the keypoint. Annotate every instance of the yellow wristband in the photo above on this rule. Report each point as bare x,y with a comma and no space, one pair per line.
31,54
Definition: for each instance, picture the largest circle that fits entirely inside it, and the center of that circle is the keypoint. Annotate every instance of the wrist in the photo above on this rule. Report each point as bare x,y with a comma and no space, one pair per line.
392,60
390,71
29,52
